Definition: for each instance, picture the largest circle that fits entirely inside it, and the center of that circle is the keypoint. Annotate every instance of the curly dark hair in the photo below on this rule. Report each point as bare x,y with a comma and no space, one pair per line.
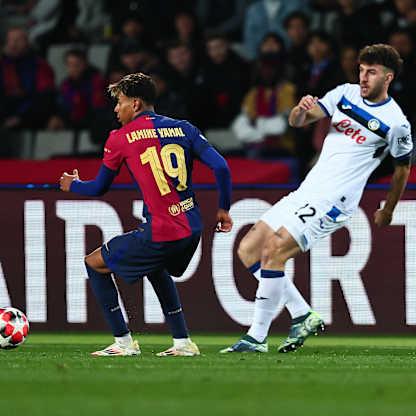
136,85
381,54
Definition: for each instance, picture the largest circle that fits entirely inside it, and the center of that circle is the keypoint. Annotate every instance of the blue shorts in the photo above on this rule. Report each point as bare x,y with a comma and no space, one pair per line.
132,256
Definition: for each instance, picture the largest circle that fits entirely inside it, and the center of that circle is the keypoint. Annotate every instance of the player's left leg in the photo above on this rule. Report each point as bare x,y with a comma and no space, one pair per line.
168,296
106,293
249,252
276,250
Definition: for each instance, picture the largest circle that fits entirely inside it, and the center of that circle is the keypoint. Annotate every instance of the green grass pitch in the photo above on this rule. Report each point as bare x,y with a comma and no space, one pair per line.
53,374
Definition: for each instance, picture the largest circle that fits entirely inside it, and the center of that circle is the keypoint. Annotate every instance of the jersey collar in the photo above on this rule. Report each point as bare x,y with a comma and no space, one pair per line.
370,104
144,113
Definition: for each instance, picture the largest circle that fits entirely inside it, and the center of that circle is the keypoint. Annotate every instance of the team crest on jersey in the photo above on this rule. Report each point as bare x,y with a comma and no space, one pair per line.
175,210
373,124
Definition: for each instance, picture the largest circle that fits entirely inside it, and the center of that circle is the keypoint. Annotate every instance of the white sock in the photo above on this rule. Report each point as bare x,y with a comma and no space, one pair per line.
125,340
268,296
295,303
181,342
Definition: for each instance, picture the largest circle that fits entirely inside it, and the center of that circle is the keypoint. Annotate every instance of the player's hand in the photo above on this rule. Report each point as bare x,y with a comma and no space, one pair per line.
224,222
307,102
383,217
66,180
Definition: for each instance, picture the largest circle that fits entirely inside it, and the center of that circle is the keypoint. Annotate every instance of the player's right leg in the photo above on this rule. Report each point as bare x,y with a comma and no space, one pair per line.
106,294
250,251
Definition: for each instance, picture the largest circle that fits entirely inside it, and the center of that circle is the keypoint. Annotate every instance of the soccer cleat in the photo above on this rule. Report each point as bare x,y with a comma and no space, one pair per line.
190,349
299,331
118,350
247,344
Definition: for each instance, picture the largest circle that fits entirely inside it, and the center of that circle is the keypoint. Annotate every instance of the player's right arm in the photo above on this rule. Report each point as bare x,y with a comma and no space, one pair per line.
108,171
307,111
96,187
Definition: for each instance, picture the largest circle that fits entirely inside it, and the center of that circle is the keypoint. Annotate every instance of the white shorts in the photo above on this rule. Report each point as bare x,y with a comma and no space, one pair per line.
306,220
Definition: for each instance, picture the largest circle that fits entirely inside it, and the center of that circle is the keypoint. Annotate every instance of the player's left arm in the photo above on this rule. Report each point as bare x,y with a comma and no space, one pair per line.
401,147
384,215
210,157
218,164
96,187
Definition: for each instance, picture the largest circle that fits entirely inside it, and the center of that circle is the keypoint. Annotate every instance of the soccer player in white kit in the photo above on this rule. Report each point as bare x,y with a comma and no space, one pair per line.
366,125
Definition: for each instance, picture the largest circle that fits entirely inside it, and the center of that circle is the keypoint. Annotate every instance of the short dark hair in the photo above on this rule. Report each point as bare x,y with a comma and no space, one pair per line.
136,85
78,53
381,54
324,37
210,35
175,44
296,15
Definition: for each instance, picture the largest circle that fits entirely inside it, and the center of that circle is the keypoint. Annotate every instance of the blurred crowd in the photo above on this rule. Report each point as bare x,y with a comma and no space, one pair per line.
235,64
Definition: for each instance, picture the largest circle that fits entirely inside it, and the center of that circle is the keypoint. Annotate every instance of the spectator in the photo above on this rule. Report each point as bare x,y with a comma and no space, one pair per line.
39,17
26,84
43,19
92,20
222,82
324,72
297,31
403,87
349,64
155,14
266,16
262,124
132,34
82,99
323,13
134,58
222,17
401,15
168,102
357,24
182,74
186,30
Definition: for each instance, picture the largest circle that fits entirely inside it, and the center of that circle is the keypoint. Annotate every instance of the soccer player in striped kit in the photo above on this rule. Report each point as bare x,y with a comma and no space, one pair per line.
366,125
159,153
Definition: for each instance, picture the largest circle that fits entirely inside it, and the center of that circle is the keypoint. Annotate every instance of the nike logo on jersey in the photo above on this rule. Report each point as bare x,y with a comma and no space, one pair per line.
261,298
346,107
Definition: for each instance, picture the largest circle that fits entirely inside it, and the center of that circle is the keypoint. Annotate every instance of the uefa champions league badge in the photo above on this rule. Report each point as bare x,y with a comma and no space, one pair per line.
373,124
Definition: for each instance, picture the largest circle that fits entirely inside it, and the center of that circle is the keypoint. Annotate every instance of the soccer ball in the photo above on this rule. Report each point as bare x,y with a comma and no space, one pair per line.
14,327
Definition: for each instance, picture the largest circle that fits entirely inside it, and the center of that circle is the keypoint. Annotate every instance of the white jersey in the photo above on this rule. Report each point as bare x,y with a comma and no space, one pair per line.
360,136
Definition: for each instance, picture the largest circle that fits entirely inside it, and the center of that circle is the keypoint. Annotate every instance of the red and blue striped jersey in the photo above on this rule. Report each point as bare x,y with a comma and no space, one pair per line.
159,153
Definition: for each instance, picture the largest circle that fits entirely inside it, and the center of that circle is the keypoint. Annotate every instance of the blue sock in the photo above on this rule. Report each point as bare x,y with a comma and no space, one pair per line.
107,297
168,296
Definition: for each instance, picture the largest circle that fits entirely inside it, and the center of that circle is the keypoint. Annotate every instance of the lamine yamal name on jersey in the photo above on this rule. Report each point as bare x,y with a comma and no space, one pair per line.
162,132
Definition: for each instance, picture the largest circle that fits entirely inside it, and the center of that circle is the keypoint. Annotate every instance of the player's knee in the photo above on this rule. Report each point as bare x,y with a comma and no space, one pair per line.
91,261
246,252
243,249
88,261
